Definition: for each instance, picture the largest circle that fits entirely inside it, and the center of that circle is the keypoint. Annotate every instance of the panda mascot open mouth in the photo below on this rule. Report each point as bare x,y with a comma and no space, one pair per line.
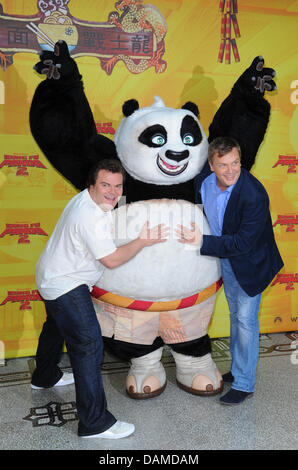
168,169
161,143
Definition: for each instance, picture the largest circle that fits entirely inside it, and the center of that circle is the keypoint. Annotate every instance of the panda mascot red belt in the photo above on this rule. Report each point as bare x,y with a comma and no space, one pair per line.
165,295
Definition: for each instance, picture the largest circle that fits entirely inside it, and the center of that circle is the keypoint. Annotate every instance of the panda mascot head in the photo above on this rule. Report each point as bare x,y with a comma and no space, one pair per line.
160,145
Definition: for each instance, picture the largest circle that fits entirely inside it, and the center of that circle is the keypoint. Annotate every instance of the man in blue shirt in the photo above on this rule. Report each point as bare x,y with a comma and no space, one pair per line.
237,208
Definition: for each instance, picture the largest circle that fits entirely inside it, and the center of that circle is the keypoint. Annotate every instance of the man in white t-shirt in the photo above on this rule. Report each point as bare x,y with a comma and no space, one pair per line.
75,256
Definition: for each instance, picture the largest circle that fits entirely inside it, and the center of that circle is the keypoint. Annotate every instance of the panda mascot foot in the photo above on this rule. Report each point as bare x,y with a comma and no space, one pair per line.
146,377
197,375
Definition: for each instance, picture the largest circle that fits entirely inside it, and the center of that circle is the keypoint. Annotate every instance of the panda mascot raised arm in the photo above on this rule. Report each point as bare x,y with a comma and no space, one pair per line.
165,294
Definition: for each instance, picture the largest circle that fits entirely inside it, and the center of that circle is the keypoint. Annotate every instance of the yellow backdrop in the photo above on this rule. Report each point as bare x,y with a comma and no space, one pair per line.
33,194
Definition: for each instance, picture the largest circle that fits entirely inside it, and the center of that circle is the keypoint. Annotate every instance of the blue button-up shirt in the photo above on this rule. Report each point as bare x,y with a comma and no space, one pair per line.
215,202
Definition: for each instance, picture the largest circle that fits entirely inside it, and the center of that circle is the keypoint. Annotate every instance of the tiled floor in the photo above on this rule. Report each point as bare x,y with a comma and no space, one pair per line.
176,420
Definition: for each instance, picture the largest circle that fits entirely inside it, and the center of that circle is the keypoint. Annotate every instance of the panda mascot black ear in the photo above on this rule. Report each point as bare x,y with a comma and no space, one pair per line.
129,107
190,106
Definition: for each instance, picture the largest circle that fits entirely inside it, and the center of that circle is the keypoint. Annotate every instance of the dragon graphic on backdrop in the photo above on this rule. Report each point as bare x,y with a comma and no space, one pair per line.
134,34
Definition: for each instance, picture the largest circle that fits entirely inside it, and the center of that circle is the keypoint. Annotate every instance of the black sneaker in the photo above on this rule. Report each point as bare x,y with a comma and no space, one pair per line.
228,377
234,397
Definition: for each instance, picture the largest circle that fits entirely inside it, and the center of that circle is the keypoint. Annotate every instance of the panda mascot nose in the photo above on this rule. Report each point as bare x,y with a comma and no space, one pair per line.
177,156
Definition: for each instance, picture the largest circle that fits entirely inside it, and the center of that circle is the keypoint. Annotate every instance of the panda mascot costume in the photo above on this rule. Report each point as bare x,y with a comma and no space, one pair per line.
165,294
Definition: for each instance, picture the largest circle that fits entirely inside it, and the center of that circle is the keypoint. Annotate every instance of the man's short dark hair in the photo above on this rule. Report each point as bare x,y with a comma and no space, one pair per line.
221,146
108,164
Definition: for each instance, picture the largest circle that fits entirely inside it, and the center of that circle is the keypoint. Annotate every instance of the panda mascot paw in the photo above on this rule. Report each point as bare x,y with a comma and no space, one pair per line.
244,114
256,79
57,65
198,375
146,377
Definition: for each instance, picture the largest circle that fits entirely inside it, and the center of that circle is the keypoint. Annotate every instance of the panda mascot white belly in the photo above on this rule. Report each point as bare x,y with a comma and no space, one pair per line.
167,290
166,271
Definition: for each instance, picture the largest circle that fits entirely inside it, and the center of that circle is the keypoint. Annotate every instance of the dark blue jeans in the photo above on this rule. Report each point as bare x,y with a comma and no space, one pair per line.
72,318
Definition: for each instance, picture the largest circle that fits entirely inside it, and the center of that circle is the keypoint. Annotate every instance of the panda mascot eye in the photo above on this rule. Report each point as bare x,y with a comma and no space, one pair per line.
188,139
153,136
158,139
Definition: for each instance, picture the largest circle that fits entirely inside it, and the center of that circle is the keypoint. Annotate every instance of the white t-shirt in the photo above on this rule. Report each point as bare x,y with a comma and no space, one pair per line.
83,234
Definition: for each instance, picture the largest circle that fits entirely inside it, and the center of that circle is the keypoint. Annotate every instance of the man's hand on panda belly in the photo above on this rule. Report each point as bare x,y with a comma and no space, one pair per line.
57,64
147,237
157,234
192,236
